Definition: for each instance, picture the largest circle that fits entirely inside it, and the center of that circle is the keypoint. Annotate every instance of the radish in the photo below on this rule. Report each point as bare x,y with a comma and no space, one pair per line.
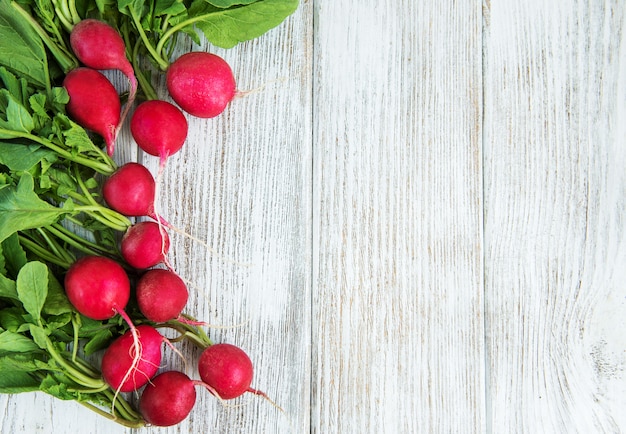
131,190
98,287
99,46
227,370
168,399
94,103
119,366
145,244
161,295
159,128
202,84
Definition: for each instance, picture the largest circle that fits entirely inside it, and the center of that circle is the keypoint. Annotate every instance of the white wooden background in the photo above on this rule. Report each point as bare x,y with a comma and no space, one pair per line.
432,198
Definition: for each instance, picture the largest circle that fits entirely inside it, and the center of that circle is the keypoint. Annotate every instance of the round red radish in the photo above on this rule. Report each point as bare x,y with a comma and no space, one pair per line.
130,190
159,128
227,369
161,295
145,244
98,287
120,367
94,103
202,84
99,46
167,399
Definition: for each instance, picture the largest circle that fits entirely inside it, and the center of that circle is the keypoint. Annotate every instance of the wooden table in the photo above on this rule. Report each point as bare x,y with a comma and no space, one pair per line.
417,219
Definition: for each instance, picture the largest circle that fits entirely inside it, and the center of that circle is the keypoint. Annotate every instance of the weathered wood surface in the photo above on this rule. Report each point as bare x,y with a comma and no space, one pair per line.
555,200
417,217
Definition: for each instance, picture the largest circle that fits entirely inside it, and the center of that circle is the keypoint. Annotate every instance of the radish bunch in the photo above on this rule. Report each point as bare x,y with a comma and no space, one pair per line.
202,85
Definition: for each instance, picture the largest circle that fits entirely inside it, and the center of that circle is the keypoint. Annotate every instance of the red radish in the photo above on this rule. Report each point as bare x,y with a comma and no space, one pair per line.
131,190
94,103
159,128
202,84
145,244
227,369
98,287
120,368
161,295
99,46
168,399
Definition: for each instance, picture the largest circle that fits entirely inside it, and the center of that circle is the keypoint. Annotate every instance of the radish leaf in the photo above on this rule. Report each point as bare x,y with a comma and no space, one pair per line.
21,208
21,50
32,287
227,27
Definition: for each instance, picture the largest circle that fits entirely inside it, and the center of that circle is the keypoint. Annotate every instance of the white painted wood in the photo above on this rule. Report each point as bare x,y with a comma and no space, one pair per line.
555,202
398,329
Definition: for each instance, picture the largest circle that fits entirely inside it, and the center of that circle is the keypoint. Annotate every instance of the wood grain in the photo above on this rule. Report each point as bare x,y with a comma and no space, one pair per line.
398,334
554,215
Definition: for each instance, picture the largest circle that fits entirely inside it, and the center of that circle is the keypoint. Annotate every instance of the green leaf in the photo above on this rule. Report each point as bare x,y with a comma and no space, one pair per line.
19,362
99,341
91,183
40,337
11,83
60,95
11,342
37,103
227,27
21,49
57,302
17,117
228,3
21,208
169,7
57,388
32,287
20,157
3,268
18,382
14,255
7,288
76,137
55,322
65,179
12,319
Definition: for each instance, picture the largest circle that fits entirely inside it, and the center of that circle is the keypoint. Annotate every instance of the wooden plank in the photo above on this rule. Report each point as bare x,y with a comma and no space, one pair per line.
555,201
242,185
398,330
